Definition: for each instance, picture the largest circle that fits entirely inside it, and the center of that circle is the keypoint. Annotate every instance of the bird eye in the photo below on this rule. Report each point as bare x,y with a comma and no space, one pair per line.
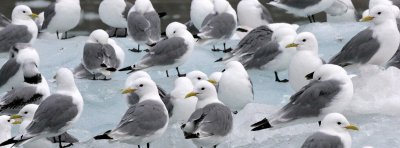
203,88
174,31
379,13
319,78
198,78
25,112
23,11
304,40
8,120
141,85
339,123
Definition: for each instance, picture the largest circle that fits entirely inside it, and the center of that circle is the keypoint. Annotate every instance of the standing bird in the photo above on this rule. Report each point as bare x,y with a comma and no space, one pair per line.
214,78
62,16
235,88
5,129
26,115
33,91
221,25
144,122
375,45
212,121
99,57
305,61
22,58
330,90
114,13
133,98
306,8
182,108
274,55
22,29
349,16
333,132
169,53
56,114
144,24
251,13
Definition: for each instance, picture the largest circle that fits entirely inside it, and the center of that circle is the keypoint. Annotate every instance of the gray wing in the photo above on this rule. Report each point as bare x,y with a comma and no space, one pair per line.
395,61
168,104
207,19
17,98
322,140
65,138
127,8
9,69
396,3
221,25
191,28
155,25
138,26
4,21
301,4
165,52
53,114
93,55
215,119
13,34
253,40
310,100
49,13
266,15
360,49
337,8
110,57
142,119
262,56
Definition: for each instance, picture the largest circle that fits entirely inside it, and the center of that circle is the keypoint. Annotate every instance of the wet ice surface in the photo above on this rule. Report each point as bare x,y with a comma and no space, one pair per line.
375,107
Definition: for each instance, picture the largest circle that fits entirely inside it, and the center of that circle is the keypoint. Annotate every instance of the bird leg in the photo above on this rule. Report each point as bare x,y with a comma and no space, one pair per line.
179,74
94,77
57,35
148,145
138,146
59,141
226,50
136,50
278,80
167,73
215,49
310,19
65,35
215,146
312,16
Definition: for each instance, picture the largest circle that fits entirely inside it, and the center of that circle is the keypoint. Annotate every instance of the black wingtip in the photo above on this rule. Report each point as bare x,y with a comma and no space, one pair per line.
152,45
10,141
242,30
111,69
196,36
319,123
103,65
163,34
103,136
127,68
191,135
162,14
219,60
310,76
263,124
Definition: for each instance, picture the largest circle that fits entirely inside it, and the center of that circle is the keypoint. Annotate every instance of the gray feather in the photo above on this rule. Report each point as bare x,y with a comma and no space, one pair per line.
322,140
301,4
138,26
155,25
220,26
13,34
9,69
17,98
266,15
49,13
262,56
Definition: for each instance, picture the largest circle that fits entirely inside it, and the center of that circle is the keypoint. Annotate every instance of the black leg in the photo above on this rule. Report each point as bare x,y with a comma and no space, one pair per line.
179,74
215,146
59,141
278,80
94,77
126,32
115,32
148,145
227,49
136,50
309,18
167,73
215,49
57,35
138,146
65,35
313,18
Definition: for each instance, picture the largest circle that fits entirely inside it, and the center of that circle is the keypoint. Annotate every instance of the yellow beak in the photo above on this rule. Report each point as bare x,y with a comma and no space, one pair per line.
213,82
191,94
16,116
351,127
17,121
367,18
34,16
292,45
128,90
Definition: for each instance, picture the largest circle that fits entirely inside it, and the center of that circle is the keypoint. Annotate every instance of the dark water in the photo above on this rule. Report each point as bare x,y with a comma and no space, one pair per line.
178,10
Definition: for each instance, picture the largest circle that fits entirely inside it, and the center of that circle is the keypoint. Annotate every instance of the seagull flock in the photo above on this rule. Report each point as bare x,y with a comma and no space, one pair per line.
203,106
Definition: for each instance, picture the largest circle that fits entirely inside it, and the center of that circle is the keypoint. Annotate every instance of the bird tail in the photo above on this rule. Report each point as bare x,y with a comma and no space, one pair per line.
131,68
263,124
103,136
162,14
14,142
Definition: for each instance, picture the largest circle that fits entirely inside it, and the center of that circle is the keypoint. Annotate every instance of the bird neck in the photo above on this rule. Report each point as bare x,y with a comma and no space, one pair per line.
204,102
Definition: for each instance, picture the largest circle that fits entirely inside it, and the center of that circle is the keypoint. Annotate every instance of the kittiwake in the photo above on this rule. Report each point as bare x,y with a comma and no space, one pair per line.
114,13
251,13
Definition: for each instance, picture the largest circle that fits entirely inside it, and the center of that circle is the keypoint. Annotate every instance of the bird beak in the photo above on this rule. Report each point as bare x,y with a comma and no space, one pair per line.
292,45
351,127
128,90
213,82
17,119
367,18
34,16
191,94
